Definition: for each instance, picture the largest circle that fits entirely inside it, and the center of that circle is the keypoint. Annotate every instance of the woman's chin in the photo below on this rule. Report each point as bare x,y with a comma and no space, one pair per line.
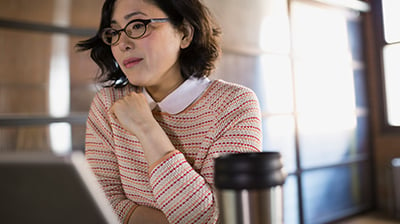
136,82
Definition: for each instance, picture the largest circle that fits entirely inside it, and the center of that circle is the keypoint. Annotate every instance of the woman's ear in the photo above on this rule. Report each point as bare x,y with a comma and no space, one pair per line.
188,32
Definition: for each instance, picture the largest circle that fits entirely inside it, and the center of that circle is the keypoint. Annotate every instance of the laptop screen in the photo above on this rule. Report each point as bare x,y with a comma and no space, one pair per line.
45,188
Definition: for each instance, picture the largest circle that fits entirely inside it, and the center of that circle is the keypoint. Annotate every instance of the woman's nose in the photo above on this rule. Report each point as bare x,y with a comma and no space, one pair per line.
125,42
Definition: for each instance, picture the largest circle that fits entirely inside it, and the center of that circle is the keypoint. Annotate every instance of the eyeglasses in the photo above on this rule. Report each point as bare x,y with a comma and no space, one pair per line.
135,29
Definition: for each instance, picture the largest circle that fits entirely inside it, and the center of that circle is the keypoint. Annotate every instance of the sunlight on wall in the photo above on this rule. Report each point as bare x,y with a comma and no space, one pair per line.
276,80
59,84
274,33
59,77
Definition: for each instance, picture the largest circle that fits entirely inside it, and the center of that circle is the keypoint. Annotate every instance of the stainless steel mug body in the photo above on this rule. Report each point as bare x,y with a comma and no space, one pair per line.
251,206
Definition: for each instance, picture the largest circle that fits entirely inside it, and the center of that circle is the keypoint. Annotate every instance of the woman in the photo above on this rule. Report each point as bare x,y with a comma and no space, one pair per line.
154,131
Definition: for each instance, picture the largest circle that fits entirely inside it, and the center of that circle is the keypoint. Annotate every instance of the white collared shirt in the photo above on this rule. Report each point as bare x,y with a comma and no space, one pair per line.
181,97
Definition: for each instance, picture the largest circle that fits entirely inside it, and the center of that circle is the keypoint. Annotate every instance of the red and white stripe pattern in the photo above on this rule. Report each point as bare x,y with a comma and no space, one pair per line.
225,119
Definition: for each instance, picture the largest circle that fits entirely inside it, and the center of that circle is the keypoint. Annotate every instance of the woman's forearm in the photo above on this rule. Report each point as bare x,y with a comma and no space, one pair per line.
155,143
134,114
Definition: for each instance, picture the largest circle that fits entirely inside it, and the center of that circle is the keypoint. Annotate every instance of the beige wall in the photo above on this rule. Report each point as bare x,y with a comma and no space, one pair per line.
25,61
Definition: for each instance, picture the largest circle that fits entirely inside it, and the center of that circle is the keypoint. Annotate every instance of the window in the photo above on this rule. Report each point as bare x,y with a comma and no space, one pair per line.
331,110
305,61
391,55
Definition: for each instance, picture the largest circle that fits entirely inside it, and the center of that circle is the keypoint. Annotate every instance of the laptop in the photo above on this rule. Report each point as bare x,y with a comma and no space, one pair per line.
46,188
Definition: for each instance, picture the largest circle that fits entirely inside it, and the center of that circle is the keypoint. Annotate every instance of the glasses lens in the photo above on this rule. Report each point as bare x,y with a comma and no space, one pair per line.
135,29
110,36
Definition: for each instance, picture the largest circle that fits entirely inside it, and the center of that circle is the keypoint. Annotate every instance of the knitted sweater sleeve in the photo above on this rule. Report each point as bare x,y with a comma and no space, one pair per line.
99,151
186,195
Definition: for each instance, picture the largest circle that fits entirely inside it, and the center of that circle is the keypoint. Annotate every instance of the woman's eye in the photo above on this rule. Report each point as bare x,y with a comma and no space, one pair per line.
111,33
114,33
137,26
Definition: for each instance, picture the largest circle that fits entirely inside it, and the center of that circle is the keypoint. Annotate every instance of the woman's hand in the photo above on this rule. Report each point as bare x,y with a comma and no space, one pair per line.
143,214
134,114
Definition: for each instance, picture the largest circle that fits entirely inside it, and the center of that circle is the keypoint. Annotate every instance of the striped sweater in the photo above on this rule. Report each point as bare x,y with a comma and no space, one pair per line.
224,119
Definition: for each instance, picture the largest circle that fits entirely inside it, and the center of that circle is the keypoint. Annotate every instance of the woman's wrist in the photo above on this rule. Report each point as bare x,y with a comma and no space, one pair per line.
155,143
165,157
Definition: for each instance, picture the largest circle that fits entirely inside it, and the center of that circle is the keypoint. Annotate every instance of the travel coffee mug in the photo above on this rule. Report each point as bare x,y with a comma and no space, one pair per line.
249,188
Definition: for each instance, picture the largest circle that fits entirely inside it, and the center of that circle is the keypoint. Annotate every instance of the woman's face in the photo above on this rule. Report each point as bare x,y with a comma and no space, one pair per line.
152,60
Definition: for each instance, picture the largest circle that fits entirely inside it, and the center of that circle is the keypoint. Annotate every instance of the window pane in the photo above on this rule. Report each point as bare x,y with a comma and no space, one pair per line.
360,84
356,37
391,17
279,135
326,140
274,85
324,83
333,193
323,63
290,201
391,55
363,139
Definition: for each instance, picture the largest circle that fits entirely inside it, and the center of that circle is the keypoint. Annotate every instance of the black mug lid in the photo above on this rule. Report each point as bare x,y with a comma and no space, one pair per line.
258,170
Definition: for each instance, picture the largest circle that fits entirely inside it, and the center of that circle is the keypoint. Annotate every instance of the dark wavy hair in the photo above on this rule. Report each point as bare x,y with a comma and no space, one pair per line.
197,60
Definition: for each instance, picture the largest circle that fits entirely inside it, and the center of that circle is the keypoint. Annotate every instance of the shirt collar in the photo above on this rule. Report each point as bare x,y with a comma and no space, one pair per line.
181,97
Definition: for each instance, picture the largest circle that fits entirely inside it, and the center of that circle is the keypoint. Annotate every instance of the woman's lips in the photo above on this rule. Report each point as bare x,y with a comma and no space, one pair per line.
130,62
